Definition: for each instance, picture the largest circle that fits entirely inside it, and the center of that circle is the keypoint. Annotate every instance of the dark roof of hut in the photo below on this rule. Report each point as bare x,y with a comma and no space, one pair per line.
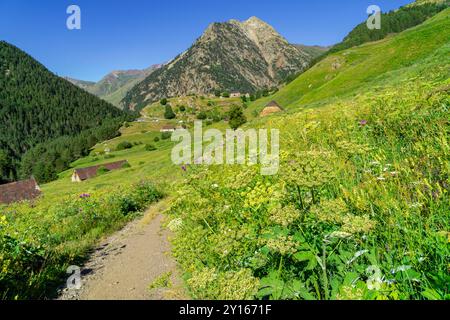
19,191
91,172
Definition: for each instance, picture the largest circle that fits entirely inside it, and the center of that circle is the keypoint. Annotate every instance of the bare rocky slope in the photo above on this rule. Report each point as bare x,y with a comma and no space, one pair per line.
230,56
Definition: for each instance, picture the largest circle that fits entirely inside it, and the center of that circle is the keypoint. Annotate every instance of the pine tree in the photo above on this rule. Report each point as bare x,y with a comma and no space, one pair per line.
168,113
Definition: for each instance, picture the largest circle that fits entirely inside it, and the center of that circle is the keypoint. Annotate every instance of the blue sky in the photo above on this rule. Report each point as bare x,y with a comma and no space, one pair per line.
138,33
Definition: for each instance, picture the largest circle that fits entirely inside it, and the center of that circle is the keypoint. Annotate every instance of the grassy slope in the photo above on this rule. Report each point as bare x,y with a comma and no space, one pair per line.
154,165
193,104
354,195
368,67
358,68
116,97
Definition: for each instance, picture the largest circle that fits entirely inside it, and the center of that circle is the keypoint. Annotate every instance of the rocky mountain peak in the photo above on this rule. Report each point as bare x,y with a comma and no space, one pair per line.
255,24
230,56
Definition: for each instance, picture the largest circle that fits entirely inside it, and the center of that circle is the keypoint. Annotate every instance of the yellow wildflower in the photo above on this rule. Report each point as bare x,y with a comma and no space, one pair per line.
283,245
355,224
309,169
350,293
284,216
332,211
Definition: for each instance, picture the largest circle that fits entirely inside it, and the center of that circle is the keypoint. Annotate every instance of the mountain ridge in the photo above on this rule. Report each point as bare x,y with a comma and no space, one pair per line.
229,56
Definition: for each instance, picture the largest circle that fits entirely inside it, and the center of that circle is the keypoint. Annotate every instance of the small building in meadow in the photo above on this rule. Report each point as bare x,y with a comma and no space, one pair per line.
83,174
19,191
270,108
235,95
168,128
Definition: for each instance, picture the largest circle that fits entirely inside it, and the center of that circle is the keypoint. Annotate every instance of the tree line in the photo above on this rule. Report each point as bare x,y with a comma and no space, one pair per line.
391,22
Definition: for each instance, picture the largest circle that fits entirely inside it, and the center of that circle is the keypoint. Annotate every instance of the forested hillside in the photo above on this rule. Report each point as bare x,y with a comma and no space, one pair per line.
36,106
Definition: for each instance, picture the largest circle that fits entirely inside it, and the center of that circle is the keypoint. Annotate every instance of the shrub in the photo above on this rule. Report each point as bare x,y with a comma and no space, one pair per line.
163,101
217,118
126,165
102,170
202,116
156,139
150,147
168,113
166,135
124,145
237,118
128,204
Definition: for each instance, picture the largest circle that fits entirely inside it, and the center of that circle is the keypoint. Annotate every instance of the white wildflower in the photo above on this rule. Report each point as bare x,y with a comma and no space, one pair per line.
175,224
357,255
339,234
401,269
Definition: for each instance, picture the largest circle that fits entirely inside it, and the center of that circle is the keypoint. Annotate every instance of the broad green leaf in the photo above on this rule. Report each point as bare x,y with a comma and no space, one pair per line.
431,294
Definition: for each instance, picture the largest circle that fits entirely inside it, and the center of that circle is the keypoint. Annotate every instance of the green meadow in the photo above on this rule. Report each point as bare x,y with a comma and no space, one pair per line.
372,65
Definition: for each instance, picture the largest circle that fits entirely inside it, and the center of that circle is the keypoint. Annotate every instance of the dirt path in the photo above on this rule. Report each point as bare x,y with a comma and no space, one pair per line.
125,264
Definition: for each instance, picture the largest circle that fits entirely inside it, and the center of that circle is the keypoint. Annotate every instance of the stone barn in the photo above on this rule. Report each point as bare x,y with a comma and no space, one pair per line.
83,174
19,191
168,128
270,108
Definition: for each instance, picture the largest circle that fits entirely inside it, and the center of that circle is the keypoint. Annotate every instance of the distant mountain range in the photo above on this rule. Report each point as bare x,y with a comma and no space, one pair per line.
231,56
313,51
115,85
